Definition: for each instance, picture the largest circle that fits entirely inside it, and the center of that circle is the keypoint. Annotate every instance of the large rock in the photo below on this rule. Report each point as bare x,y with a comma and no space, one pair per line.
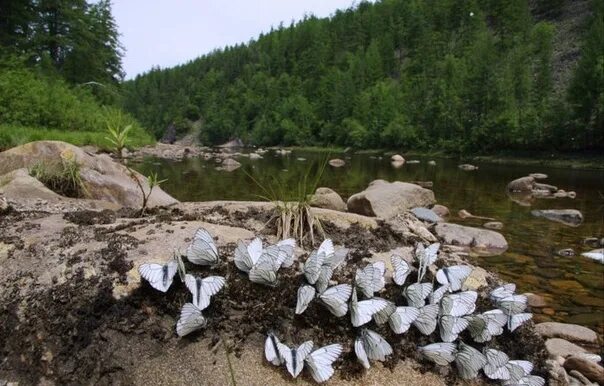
328,199
387,199
571,217
561,347
591,370
571,332
522,184
103,178
482,241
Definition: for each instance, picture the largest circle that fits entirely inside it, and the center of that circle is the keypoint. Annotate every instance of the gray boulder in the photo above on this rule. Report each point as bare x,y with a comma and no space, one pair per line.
570,332
387,199
328,199
425,214
482,241
570,217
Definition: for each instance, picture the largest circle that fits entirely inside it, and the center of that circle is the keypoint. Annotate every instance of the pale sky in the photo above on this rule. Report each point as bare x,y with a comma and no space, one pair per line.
169,32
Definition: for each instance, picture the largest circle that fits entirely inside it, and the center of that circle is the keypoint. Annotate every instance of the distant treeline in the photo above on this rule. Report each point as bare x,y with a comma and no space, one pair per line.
449,74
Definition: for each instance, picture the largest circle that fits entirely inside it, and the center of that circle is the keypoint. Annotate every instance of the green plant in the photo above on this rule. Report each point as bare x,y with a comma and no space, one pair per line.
118,132
294,217
152,181
62,177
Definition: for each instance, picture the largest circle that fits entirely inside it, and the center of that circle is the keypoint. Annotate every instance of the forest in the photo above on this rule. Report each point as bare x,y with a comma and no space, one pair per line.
448,75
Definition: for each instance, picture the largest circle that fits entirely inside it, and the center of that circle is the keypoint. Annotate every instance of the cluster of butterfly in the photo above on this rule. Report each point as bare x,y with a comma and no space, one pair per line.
447,307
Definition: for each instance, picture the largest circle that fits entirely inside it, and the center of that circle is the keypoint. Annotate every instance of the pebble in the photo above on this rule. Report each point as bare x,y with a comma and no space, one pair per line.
536,301
592,371
560,347
566,252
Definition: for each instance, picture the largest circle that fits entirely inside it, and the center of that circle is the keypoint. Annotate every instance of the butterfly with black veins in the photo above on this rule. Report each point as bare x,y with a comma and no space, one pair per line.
294,357
502,292
203,289
202,250
246,256
401,319
401,269
427,319
370,279
437,295
513,306
330,264
450,327
369,345
416,294
529,380
499,366
469,361
335,299
159,276
483,327
190,320
361,312
321,263
440,353
459,304
321,360
515,321
271,349
425,257
454,276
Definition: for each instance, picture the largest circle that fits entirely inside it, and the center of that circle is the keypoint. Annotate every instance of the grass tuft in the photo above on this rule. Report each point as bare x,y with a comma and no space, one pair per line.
62,177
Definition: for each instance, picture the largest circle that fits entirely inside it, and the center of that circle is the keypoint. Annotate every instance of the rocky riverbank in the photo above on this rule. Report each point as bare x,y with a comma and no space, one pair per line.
73,305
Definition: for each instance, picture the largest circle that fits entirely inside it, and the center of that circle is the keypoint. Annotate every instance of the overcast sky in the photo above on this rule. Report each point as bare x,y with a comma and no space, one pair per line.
169,32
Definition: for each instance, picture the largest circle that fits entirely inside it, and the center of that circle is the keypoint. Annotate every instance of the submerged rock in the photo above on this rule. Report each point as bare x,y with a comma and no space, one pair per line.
467,167
255,156
337,162
397,158
494,225
571,217
328,199
483,241
387,199
229,165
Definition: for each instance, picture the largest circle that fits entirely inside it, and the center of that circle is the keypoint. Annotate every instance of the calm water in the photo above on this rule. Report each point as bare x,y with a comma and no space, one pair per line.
573,287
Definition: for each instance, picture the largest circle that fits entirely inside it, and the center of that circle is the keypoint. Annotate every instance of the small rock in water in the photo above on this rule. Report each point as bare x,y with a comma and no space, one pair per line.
468,167
570,217
592,242
397,158
496,225
465,214
337,163
413,161
538,176
566,252
432,163
522,184
535,301
301,159
254,156
426,214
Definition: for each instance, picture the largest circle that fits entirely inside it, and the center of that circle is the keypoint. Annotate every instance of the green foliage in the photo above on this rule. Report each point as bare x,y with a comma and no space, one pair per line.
471,76
61,177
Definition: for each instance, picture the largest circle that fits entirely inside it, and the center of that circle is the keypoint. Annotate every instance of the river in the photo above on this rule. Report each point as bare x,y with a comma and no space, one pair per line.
573,287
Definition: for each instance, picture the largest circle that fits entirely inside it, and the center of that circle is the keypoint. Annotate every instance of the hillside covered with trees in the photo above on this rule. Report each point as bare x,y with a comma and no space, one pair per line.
60,72
419,74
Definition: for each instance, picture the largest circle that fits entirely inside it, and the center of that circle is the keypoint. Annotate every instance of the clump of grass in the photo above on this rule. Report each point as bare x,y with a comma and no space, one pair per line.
294,217
62,177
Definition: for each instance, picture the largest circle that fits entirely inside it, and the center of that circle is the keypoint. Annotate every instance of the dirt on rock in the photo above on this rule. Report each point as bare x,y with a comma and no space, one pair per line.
60,321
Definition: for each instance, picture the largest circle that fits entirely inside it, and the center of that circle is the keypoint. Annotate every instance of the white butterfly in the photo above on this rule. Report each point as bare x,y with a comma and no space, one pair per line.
427,255
190,320
203,289
362,311
401,269
306,294
455,276
427,319
271,350
417,293
440,353
450,327
383,316
483,327
280,254
312,265
181,267
370,345
530,380
503,291
321,263
159,276
512,305
202,250
401,319
499,366
458,304
264,274
517,320
371,278
330,264
320,361
436,296
246,256
469,361
336,298
294,357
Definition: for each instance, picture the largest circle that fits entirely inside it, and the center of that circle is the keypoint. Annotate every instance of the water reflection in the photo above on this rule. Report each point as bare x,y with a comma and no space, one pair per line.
573,287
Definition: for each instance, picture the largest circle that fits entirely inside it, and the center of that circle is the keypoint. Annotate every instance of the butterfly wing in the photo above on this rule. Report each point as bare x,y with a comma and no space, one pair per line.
243,259
271,350
326,248
401,319
376,347
518,320
455,276
324,277
469,361
336,298
401,269
336,258
359,350
427,319
514,304
417,293
362,312
264,276
459,304
440,353
496,368
312,266
159,276
450,327
503,291
190,320
431,253
306,294
286,252
371,278
202,250
320,362
436,296
383,315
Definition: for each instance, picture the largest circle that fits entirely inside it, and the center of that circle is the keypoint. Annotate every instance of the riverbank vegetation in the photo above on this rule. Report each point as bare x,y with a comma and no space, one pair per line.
60,73
477,76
